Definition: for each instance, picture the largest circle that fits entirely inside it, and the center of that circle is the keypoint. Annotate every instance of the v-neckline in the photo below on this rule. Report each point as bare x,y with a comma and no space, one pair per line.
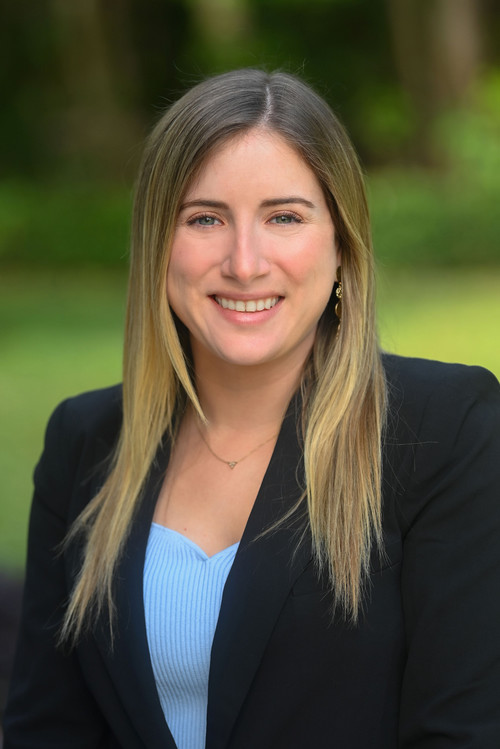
189,542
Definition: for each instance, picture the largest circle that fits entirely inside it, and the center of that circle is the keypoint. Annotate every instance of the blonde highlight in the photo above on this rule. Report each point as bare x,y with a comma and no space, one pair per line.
343,385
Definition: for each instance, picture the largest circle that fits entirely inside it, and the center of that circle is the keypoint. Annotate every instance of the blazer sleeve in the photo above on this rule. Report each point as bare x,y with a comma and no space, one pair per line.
451,570
49,704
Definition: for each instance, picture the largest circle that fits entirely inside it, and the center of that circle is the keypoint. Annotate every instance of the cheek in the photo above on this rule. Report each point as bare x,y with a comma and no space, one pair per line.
317,268
180,271
323,279
190,261
177,282
171,282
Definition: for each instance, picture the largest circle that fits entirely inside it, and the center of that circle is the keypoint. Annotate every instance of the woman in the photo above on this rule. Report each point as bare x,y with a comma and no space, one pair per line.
276,537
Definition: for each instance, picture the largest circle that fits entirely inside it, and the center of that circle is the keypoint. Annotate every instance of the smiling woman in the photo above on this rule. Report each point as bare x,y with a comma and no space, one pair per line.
263,539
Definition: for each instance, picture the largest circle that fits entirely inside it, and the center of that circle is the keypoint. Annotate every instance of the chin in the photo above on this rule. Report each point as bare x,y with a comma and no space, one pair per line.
247,358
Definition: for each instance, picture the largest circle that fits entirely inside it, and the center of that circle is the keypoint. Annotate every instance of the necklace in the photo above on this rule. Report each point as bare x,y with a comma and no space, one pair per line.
233,463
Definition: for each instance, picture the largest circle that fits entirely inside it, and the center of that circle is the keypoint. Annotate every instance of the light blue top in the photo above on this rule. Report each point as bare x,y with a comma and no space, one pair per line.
182,597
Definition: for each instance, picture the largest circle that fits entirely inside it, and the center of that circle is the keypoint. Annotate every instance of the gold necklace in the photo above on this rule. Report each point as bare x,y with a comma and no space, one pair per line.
233,463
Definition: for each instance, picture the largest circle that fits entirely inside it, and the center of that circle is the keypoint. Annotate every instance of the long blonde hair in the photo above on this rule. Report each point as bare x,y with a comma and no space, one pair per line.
343,383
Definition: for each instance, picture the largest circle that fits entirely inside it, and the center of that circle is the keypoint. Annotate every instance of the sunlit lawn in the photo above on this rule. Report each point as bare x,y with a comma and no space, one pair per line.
60,333
442,314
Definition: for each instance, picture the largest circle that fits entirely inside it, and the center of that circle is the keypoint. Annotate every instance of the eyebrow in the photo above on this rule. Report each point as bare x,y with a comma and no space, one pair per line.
202,203
270,203
287,201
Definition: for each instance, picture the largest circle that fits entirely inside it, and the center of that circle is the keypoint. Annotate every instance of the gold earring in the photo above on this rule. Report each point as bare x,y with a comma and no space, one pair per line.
338,293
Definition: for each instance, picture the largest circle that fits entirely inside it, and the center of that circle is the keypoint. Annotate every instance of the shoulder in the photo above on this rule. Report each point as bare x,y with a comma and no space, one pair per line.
79,439
421,389
443,429
424,375
93,413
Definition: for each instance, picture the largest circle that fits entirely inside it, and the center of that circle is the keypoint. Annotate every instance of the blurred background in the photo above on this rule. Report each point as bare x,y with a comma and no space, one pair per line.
416,82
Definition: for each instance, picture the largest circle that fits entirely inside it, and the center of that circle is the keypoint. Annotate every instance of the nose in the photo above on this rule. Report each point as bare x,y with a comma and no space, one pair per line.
245,257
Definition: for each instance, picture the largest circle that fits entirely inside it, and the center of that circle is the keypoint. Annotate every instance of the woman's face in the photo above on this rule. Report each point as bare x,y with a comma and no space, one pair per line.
254,255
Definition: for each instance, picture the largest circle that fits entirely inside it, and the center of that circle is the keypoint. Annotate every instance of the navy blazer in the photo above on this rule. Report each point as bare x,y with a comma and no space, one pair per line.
420,670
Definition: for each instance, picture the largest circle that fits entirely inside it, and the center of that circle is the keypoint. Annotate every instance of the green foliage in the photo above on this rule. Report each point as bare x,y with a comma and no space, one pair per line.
446,217
445,221
64,224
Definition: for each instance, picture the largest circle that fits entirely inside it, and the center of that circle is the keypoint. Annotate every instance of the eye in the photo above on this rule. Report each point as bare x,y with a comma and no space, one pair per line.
286,219
203,220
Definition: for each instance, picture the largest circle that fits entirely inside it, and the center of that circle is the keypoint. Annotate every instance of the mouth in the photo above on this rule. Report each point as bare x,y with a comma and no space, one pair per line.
251,305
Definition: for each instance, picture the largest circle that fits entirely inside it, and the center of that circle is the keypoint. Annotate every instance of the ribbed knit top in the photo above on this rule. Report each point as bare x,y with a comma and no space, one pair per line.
182,597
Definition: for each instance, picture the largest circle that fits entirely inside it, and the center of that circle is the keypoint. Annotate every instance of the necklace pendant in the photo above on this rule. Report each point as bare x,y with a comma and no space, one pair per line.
232,463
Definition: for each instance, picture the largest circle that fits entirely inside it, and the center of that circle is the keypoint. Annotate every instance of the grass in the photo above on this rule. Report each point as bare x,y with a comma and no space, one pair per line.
61,333
439,313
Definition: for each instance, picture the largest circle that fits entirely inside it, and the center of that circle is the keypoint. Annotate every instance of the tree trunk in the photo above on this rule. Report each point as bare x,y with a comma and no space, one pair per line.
437,49
95,128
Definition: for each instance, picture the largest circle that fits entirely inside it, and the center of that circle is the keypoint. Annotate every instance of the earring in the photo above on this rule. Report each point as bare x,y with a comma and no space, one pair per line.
338,293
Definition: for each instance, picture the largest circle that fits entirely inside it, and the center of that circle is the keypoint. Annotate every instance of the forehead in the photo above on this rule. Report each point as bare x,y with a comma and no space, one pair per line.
256,156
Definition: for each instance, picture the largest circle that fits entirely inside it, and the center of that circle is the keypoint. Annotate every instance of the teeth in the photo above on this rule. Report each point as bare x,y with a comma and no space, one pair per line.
253,305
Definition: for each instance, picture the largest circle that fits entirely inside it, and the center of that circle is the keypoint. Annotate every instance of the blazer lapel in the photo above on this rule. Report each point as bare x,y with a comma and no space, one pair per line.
264,570
129,663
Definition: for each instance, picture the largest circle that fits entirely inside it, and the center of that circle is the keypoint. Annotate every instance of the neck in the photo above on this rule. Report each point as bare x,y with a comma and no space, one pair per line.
255,396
